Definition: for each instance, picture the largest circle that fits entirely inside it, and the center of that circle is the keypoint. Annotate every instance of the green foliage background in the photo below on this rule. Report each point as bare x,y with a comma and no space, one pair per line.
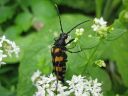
32,23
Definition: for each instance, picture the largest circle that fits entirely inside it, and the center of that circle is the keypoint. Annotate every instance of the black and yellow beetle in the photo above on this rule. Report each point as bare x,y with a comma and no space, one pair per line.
58,51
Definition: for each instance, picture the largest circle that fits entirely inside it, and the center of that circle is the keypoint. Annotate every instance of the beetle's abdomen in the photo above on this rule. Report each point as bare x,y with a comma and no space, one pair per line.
59,59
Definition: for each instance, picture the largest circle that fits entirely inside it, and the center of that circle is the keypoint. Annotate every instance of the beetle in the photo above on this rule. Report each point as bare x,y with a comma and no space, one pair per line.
59,49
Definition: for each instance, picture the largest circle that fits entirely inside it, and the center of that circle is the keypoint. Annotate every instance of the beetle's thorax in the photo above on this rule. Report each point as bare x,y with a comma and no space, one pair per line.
61,40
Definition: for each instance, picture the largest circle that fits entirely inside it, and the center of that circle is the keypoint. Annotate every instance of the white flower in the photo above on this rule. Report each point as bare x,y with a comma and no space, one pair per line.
40,92
76,39
12,48
83,87
48,85
76,79
100,21
1,57
100,63
81,29
8,47
100,27
15,48
2,39
96,88
62,90
52,78
35,75
99,24
79,32
77,86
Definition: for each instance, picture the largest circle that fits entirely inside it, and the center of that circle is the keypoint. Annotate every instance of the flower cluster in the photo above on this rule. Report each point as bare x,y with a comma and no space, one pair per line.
7,48
80,86
100,63
77,86
100,27
78,33
48,86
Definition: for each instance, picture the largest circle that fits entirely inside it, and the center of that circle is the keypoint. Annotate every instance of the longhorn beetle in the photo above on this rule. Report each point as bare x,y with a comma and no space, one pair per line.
58,51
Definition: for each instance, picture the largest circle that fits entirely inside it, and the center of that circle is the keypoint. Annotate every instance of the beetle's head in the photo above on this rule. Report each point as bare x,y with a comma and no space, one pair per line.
64,35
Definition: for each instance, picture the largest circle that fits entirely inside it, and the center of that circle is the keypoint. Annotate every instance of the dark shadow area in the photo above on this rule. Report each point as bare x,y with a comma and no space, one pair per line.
115,77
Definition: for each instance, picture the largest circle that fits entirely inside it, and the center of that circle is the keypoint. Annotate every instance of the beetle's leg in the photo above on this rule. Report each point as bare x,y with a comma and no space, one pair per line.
70,41
77,51
74,51
72,47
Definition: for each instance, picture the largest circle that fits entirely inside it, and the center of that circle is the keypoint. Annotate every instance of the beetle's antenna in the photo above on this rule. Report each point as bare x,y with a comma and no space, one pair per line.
59,17
77,26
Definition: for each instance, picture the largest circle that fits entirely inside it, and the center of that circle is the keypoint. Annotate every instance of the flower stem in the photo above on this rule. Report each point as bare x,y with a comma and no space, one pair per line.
91,56
99,6
107,9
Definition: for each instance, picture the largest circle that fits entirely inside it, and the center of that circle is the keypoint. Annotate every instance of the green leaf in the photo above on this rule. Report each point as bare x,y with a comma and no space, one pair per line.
31,60
102,77
123,17
6,69
125,2
2,2
120,56
89,42
83,5
24,3
116,51
13,32
37,54
43,10
126,93
24,21
6,13
118,30
5,92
